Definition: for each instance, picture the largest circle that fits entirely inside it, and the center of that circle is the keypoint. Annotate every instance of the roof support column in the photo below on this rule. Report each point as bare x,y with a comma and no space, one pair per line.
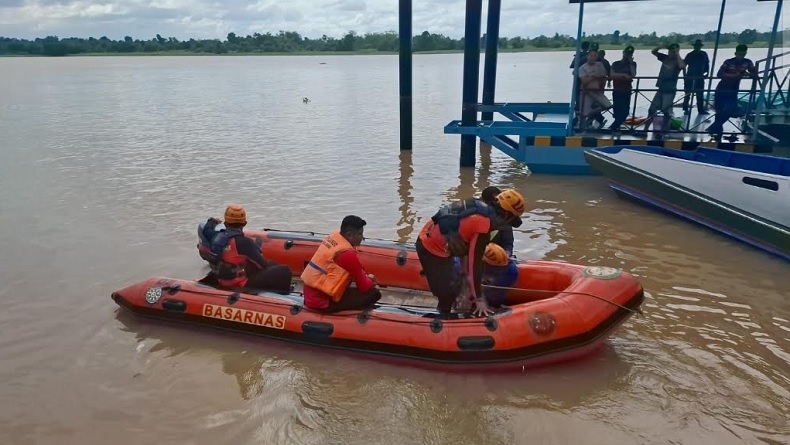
492,46
474,12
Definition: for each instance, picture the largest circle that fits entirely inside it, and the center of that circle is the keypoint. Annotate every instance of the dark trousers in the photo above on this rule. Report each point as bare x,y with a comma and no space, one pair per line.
354,299
443,279
273,278
726,107
621,104
695,87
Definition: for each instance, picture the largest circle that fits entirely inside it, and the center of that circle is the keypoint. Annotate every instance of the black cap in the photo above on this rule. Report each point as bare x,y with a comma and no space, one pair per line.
628,49
489,193
698,42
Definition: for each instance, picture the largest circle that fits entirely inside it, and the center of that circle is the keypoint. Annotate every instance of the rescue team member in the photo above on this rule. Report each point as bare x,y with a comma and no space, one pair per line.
461,229
499,270
504,234
239,262
328,276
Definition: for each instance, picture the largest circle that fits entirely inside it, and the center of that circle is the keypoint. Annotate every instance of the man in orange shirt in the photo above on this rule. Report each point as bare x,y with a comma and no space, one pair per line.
461,229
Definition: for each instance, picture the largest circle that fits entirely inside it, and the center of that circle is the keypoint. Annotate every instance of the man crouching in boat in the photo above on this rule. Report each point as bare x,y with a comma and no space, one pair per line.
503,235
461,229
237,261
499,272
328,276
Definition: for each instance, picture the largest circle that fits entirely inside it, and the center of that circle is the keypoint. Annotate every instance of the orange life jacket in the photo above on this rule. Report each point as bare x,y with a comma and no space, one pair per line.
232,271
323,273
436,243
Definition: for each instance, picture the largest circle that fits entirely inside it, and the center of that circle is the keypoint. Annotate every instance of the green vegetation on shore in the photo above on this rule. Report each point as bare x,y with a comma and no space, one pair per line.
292,43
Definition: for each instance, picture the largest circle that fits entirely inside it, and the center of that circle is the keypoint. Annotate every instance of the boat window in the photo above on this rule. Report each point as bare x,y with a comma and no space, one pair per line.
762,183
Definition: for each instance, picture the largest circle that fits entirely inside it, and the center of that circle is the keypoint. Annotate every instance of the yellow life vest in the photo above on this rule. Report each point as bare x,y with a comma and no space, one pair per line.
323,273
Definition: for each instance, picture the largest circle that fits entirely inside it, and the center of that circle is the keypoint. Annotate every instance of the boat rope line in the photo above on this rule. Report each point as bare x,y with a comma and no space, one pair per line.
310,232
597,297
362,250
636,312
172,290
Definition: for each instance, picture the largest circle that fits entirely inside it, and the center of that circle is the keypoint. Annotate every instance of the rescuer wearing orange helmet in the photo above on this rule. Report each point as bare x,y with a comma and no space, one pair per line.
461,229
502,235
500,271
238,261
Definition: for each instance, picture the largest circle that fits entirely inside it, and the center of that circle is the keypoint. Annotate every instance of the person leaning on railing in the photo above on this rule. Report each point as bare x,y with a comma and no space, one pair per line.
623,73
726,100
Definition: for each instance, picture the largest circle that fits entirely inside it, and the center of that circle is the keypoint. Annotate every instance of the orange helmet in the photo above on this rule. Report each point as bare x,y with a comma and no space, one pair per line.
512,202
235,214
495,255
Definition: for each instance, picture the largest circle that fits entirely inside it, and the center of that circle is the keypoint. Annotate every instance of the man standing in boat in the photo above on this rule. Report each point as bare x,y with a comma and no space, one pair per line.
239,262
726,100
328,276
671,66
461,229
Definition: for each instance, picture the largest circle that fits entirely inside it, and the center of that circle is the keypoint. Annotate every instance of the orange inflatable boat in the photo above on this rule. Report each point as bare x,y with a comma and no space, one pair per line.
559,312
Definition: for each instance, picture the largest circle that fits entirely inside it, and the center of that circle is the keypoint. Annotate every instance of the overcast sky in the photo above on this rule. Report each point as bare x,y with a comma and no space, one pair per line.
312,18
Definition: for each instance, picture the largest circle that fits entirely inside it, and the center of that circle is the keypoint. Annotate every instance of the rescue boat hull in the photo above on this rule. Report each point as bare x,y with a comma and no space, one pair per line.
560,312
402,335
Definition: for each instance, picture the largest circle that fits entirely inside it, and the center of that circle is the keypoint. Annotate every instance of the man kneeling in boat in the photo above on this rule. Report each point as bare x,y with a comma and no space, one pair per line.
499,272
328,276
238,262
461,229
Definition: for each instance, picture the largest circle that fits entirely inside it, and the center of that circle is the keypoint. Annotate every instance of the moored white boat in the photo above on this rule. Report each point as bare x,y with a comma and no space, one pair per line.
743,195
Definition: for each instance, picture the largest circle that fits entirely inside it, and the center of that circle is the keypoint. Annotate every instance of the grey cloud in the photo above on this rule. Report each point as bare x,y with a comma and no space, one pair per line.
11,3
350,5
312,18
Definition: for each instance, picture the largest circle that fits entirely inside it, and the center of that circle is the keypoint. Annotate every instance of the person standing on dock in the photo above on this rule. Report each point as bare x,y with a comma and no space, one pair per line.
328,276
697,68
581,56
461,229
671,66
593,78
623,73
726,100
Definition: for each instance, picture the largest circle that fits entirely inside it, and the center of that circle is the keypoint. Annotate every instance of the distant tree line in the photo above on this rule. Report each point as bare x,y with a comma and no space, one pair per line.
293,42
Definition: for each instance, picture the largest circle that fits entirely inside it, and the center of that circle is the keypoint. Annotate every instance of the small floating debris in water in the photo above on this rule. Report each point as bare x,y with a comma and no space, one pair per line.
322,63
305,100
